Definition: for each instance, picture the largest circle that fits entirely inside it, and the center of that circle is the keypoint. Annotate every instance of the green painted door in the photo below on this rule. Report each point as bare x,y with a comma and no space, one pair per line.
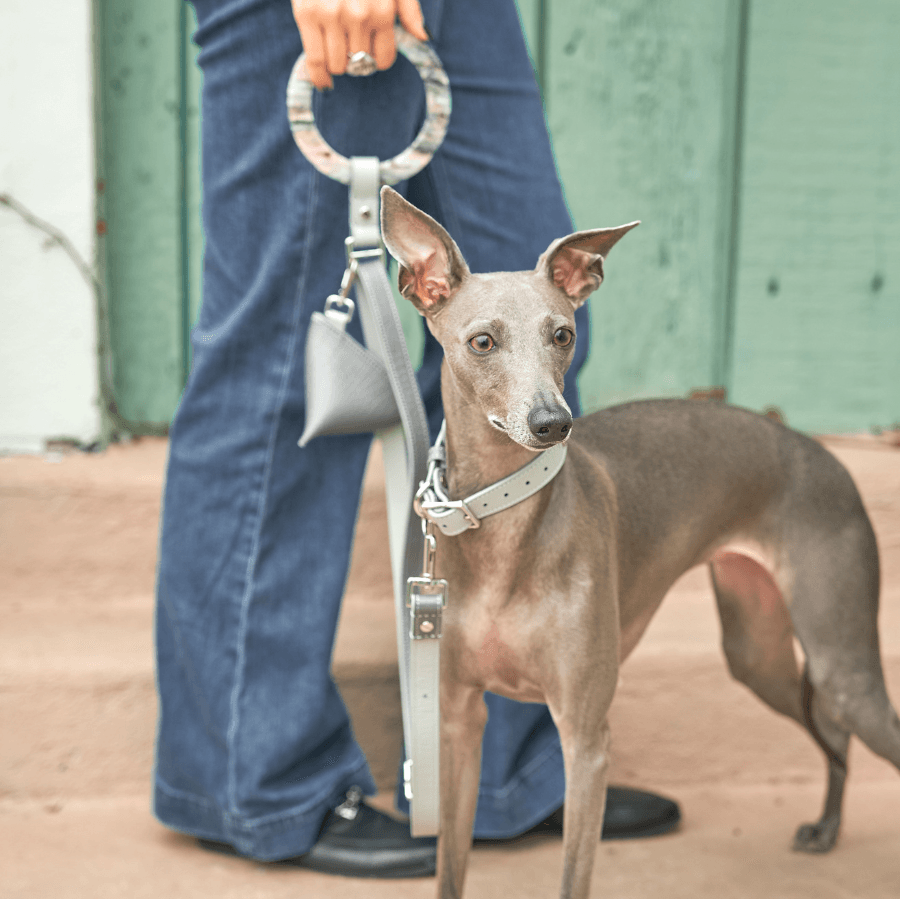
640,98
817,323
148,200
758,142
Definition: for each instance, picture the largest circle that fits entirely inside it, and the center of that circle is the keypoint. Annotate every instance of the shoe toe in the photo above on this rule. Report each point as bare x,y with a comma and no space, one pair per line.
632,814
367,843
371,844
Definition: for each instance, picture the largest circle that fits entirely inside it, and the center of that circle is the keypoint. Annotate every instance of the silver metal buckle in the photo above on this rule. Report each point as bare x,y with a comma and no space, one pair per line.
444,506
433,486
349,808
354,256
339,309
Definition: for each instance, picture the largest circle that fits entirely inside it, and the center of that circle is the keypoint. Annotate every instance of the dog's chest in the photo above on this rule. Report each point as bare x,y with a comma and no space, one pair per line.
500,659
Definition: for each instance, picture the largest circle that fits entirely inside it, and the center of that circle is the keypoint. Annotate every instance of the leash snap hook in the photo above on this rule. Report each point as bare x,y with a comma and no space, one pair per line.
349,277
429,548
338,306
426,596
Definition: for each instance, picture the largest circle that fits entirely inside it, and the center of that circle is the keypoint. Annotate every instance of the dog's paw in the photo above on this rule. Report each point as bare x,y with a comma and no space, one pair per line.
818,837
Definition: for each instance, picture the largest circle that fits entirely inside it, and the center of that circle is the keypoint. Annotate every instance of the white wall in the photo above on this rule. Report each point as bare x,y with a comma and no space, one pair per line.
48,363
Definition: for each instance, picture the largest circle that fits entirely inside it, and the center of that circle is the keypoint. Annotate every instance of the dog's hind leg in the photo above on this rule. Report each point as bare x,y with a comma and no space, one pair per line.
757,632
821,835
834,609
758,641
844,693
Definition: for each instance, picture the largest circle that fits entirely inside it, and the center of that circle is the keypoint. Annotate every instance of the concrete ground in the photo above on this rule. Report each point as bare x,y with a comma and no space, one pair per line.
77,706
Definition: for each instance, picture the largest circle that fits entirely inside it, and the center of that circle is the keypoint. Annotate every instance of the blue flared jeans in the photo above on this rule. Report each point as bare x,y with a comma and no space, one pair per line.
254,743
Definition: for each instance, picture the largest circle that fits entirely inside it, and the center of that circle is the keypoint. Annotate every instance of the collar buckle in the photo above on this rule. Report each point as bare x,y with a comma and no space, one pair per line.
437,507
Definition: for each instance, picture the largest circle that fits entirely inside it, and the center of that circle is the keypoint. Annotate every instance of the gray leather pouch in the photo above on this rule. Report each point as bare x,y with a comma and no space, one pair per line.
347,386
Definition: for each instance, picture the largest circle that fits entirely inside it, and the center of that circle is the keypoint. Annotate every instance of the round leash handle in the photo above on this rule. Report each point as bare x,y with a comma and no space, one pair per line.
405,164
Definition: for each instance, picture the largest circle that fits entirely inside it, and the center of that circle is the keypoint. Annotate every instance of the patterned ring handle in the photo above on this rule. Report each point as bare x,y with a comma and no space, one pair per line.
404,165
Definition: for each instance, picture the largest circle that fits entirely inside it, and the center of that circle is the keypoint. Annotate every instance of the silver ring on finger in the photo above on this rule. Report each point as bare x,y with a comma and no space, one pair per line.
361,63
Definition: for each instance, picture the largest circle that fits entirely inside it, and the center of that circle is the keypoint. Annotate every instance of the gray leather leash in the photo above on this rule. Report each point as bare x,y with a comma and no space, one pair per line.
405,451
352,389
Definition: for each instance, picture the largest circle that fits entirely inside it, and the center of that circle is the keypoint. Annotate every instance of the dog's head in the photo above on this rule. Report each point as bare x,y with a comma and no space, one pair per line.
508,337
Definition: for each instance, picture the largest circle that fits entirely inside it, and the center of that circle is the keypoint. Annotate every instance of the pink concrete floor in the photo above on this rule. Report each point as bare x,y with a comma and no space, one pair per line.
77,706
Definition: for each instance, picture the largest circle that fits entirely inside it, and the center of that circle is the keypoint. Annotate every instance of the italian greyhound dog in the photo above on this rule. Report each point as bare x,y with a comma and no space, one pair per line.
548,597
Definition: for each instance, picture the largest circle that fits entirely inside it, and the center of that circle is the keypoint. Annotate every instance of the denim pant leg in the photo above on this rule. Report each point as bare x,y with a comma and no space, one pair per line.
254,742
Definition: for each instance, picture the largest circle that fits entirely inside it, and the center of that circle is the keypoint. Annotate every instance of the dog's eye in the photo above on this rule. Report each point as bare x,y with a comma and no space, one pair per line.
482,343
563,337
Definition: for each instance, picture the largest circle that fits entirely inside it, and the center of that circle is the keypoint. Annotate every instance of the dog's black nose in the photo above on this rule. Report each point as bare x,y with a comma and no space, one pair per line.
550,423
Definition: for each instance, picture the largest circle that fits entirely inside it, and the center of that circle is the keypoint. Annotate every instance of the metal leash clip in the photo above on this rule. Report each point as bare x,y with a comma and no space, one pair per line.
426,596
339,307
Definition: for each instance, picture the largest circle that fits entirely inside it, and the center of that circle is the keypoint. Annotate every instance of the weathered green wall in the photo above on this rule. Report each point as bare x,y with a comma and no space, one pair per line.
817,323
640,99
149,198
758,141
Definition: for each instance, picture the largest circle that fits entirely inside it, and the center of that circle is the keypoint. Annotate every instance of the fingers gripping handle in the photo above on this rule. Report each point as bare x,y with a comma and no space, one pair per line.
415,157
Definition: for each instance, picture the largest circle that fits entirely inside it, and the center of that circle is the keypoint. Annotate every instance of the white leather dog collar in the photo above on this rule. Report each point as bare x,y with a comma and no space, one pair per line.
455,516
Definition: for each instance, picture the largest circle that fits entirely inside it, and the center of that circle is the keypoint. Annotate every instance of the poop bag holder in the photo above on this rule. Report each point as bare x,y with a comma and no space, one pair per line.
347,387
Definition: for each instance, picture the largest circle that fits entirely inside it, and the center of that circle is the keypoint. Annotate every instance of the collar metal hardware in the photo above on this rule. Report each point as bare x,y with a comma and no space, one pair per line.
432,500
454,516
426,508
426,596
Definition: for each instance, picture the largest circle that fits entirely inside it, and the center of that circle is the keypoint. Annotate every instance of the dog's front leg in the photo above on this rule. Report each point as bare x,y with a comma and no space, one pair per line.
586,757
580,711
463,716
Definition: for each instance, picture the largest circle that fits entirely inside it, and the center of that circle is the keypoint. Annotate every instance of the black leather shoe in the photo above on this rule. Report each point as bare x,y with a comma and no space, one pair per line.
357,840
630,814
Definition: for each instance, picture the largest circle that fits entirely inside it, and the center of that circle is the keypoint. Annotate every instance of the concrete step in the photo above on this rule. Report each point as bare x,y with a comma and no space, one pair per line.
78,706
79,685
77,559
76,663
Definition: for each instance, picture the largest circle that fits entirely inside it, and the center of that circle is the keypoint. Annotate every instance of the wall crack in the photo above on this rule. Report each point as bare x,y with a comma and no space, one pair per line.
58,238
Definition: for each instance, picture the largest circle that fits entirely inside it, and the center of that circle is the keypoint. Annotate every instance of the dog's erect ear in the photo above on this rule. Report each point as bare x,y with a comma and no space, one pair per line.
431,265
575,263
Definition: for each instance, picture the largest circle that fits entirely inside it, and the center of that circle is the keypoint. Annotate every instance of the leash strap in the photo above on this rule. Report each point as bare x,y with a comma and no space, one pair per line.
405,451
352,389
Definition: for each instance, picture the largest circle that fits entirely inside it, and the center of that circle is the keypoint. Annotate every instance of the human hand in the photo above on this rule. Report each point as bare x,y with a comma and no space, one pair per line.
333,30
